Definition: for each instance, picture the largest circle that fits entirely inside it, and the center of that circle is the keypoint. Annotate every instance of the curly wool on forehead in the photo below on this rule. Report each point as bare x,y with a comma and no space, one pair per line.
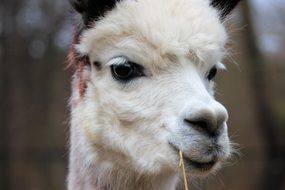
189,28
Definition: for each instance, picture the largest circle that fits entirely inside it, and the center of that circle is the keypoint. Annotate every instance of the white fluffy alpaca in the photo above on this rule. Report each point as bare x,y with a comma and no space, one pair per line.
142,91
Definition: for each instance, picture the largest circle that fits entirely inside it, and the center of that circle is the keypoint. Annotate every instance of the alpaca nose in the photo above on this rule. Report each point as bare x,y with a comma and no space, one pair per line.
210,121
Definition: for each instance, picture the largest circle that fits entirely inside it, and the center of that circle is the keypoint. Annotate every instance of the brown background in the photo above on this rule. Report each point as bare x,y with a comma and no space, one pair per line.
35,87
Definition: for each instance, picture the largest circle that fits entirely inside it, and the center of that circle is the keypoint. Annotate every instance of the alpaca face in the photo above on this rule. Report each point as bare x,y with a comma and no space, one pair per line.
149,92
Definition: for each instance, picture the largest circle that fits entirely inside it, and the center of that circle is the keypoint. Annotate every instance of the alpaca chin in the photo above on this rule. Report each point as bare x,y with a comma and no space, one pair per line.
90,169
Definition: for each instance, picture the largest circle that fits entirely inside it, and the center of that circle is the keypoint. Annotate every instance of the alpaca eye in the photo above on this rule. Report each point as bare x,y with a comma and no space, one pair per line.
125,70
122,71
212,73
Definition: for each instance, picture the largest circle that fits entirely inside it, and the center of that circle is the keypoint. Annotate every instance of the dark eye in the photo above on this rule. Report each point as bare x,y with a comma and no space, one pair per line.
125,70
122,71
212,73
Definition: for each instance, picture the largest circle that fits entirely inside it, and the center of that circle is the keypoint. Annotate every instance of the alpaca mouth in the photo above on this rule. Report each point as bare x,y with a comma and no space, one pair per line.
202,166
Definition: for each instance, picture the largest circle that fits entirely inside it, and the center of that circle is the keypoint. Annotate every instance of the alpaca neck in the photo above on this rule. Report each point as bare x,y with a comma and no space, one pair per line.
86,172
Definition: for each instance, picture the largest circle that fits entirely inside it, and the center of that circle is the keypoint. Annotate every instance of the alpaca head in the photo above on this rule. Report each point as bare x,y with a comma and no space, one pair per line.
148,89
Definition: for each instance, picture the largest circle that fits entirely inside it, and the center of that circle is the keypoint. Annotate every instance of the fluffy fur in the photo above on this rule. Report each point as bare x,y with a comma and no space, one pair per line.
125,136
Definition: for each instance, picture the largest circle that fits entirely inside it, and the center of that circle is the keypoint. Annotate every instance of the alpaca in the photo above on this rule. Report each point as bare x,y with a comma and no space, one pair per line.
143,91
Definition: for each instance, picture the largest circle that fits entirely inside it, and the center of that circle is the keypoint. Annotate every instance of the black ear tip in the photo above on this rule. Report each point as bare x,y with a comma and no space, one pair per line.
92,9
224,6
78,5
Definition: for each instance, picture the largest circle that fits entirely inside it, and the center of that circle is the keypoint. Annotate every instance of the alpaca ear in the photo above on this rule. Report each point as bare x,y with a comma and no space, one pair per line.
91,10
224,6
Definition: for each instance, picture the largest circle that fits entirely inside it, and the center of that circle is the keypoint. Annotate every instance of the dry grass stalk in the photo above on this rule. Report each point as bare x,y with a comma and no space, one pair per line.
181,164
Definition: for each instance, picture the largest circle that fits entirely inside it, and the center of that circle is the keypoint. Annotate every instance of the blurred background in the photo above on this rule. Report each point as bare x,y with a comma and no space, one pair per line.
35,86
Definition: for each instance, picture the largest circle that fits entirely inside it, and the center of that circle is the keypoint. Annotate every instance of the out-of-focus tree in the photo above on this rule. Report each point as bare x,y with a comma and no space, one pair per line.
274,166
34,91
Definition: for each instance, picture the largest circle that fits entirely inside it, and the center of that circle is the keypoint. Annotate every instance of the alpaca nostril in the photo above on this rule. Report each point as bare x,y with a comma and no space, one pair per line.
207,119
210,123
203,125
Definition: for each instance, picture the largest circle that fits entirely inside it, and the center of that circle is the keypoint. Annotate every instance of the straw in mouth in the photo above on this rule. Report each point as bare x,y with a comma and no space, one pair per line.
182,166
